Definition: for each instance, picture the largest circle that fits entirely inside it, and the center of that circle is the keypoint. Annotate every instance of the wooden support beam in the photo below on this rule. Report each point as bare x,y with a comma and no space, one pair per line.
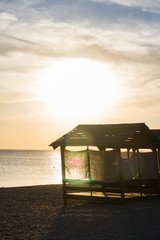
128,152
63,176
158,169
120,165
158,159
89,169
139,172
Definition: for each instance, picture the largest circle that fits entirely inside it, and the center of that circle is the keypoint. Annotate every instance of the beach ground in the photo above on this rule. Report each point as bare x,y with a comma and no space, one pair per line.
37,212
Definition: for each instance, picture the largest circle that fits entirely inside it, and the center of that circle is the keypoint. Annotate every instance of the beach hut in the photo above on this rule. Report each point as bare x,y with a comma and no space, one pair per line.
116,169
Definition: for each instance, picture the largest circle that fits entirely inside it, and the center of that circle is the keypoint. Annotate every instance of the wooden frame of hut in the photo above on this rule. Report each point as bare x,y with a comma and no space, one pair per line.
156,132
131,137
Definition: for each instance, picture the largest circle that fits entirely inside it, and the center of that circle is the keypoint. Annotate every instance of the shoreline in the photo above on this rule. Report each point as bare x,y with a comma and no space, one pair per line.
37,212
36,185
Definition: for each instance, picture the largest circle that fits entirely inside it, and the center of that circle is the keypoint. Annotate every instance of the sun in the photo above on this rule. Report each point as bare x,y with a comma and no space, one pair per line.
78,88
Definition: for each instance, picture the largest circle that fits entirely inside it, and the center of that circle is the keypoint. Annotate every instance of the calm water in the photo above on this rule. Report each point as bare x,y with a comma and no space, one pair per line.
29,167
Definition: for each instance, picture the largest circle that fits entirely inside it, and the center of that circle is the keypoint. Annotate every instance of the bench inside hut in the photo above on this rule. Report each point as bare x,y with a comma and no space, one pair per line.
123,164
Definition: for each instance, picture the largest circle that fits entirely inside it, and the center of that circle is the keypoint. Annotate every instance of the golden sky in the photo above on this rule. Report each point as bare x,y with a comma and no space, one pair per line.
70,62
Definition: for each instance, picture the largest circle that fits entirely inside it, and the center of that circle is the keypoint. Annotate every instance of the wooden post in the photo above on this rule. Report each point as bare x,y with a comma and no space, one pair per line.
158,169
89,169
63,176
139,172
120,164
102,151
158,159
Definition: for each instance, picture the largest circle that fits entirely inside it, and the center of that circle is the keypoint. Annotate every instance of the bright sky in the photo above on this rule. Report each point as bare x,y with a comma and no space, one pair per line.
70,62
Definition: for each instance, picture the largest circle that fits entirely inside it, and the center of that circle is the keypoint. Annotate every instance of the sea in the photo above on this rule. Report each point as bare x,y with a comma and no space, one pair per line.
29,168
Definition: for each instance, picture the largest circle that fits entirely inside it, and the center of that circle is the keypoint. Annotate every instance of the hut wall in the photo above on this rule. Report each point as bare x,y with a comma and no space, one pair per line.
104,165
148,165
76,164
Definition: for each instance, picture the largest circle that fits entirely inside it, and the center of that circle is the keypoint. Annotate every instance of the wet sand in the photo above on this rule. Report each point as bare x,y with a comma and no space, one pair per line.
38,213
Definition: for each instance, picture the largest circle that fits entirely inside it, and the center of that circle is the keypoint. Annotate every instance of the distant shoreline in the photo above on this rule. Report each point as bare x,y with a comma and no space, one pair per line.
5,149
30,186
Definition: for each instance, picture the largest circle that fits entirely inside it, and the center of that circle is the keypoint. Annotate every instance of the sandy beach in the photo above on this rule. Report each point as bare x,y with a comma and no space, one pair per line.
37,213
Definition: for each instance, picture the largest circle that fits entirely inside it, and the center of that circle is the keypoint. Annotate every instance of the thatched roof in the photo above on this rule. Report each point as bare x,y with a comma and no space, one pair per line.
127,135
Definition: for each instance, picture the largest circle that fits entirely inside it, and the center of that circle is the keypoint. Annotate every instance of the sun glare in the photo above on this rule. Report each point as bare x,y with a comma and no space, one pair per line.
78,88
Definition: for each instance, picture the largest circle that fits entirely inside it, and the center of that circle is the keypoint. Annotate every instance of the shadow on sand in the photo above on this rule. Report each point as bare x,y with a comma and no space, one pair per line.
135,220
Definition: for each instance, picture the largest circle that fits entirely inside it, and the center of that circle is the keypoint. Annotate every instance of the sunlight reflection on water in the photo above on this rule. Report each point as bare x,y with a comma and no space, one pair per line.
29,167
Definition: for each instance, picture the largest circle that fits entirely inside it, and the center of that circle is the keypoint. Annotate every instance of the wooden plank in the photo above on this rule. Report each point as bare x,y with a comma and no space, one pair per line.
94,199
93,189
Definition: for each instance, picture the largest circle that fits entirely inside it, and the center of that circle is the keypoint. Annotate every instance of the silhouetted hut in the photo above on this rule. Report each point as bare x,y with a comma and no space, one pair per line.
117,169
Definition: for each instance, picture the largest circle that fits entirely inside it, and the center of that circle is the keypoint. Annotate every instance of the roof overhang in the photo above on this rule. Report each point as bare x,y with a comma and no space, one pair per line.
127,135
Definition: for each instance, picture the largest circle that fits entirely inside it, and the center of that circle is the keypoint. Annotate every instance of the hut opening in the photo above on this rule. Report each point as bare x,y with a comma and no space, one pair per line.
124,163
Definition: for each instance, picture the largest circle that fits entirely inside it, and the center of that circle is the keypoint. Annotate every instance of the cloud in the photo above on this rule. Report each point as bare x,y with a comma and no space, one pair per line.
47,31
7,19
4,16
142,101
16,96
131,3
95,13
134,59
46,38
124,34
141,12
